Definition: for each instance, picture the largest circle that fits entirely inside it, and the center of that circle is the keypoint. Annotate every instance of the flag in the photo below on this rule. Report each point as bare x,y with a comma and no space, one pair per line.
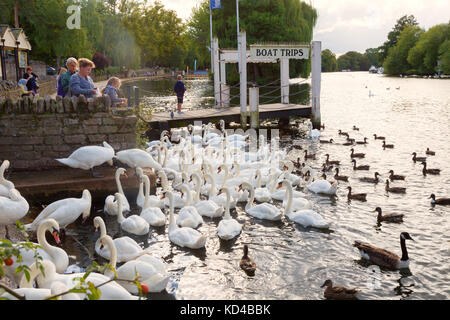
214,4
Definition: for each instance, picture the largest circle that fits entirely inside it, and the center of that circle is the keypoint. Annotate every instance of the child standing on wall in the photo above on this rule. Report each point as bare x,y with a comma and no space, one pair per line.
112,86
179,90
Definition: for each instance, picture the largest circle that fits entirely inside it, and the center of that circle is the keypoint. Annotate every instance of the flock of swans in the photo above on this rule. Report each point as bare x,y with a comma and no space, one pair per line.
202,176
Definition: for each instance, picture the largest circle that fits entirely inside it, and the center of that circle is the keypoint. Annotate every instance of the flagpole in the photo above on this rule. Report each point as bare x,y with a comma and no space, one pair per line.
211,43
237,21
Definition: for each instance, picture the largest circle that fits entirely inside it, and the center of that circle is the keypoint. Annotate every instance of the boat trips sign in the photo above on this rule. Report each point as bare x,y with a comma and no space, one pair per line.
279,51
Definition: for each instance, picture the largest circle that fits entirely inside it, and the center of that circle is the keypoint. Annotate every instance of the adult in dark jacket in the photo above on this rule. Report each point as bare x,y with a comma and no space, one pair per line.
72,67
179,90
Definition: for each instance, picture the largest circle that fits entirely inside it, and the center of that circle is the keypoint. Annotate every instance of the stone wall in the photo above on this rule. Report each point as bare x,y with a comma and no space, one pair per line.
35,133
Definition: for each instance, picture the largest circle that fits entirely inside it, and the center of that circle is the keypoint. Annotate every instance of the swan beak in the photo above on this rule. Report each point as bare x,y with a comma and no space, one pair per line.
220,192
285,168
84,219
219,170
56,237
163,196
240,188
182,194
126,176
279,185
96,229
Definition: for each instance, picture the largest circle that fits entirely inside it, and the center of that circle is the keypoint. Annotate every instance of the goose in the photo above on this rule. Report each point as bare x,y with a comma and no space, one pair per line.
348,143
296,203
323,187
378,137
385,258
5,185
362,142
393,176
133,224
390,146
356,155
64,211
206,208
338,293
309,156
328,161
326,141
184,236
228,227
416,158
12,208
350,140
429,152
425,171
363,167
394,189
126,248
188,216
246,263
393,217
371,180
357,196
153,215
111,206
57,255
137,158
88,157
109,291
263,210
313,133
338,177
441,201
151,271
341,133
355,128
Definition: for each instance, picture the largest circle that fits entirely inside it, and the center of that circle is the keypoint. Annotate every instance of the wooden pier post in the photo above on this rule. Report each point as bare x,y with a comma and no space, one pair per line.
243,78
225,96
316,65
216,73
253,97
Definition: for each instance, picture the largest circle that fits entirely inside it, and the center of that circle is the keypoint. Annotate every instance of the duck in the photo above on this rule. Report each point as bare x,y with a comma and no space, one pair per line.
153,215
369,179
340,132
429,152
57,255
184,236
309,156
338,293
426,171
390,146
356,196
228,227
441,201
137,158
351,140
206,208
12,208
355,128
326,168
327,141
5,185
416,158
378,137
393,176
385,258
111,206
246,263
338,177
394,189
313,133
348,143
88,157
264,210
362,142
188,215
356,155
64,211
328,161
146,269
362,167
133,224
393,217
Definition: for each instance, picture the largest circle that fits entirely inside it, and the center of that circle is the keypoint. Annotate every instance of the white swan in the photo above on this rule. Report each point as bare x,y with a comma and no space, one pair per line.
221,199
183,237
126,248
228,227
88,157
153,215
261,194
188,216
5,185
64,211
133,224
206,208
323,186
137,158
57,255
109,291
296,203
313,133
263,210
152,271
12,208
179,202
111,206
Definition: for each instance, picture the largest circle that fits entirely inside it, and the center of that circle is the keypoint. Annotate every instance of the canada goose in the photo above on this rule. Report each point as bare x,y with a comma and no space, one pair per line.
390,146
309,156
394,189
322,126
350,140
342,133
328,161
430,171
338,177
357,196
371,180
442,201
326,141
297,146
393,217
378,137
429,152
246,263
395,176
362,142
415,158
338,293
355,128
363,167
383,257
356,155
326,168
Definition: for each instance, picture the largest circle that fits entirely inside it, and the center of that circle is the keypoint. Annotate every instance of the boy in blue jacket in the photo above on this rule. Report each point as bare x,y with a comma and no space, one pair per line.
179,90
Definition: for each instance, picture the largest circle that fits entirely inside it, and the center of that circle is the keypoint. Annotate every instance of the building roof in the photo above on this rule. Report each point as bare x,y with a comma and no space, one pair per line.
12,35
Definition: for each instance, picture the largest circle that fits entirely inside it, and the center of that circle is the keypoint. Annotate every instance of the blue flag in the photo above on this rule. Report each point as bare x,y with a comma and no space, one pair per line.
215,4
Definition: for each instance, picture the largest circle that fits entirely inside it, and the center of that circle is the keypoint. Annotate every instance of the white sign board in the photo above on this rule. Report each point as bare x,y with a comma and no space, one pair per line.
279,52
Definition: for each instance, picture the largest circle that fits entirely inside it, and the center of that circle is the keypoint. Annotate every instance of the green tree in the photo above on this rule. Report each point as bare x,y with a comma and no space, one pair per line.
354,61
444,57
329,62
372,56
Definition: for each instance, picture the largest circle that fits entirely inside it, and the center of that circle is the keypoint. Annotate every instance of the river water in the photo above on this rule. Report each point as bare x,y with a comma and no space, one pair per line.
293,262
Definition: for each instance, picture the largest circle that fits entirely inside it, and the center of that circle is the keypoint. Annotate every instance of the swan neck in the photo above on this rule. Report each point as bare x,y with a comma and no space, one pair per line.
227,206
113,251
196,177
165,155
289,197
41,237
147,192
119,184
120,216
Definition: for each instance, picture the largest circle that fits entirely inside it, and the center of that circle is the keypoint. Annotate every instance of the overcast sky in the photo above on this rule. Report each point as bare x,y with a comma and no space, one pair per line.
355,25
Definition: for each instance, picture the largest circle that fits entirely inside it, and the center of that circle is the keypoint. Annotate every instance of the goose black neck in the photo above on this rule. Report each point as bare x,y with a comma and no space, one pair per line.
404,251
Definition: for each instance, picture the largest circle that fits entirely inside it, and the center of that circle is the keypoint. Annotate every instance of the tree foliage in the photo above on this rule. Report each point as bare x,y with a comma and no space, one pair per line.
354,61
329,62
